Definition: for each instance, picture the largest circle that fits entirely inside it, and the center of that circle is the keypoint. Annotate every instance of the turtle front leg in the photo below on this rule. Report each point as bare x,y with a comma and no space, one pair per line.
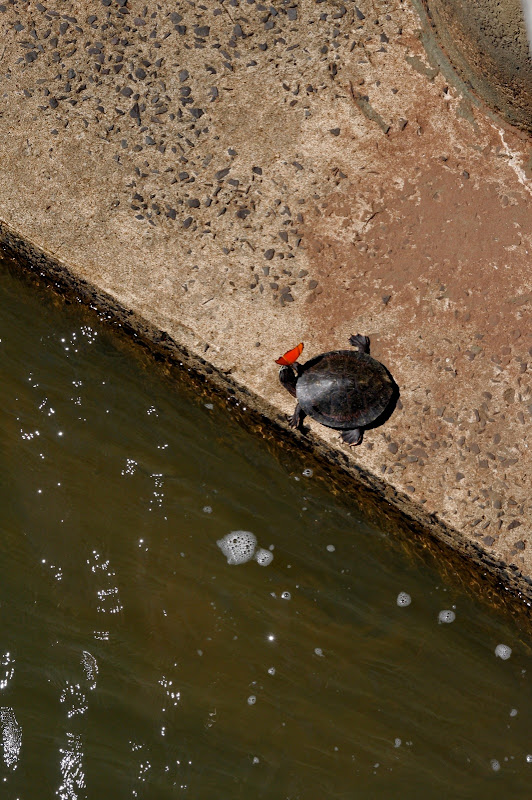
360,342
297,418
352,437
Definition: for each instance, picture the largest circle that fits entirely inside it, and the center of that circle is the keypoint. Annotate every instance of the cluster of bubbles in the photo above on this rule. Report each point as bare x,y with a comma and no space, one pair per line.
241,546
403,599
446,616
503,651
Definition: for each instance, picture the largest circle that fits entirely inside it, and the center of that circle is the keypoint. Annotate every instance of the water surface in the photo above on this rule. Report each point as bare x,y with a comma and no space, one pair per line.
136,662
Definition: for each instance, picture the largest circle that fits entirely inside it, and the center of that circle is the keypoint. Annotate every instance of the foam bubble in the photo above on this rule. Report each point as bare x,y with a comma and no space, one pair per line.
403,599
238,546
494,764
263,557
252,700
503,651
446,616
286,595
308,473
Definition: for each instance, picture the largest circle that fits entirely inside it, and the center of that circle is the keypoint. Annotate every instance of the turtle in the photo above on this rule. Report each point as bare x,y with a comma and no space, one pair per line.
344,389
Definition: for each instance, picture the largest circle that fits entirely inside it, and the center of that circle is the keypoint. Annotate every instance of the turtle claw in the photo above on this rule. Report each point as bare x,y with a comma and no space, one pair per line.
360,342
352,438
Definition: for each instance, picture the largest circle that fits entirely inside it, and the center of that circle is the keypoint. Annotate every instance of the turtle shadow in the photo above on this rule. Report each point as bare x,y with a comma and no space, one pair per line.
388,411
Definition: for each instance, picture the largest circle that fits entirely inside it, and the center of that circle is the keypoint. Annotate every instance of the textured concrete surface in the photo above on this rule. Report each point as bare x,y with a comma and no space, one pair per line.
244,176
488,44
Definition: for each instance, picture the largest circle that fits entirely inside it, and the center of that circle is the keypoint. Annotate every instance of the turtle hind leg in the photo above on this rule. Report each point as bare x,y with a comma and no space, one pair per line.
352,437
297,418
360,342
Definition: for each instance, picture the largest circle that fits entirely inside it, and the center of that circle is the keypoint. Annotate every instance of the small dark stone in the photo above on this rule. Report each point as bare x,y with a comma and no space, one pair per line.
188,222
489,540
221,174
460,476
386,299
193,202
312,284
335,131
393,447
126,91
269,254
515,523
520,545
140,73
53,102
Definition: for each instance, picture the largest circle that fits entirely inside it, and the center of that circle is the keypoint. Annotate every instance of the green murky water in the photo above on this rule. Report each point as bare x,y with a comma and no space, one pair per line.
136,662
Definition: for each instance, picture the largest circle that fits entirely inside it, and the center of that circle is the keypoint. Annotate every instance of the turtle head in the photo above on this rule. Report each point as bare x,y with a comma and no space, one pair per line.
288,379
289,363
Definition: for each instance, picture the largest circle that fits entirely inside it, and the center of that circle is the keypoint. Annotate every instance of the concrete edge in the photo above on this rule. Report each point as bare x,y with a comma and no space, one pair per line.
501,584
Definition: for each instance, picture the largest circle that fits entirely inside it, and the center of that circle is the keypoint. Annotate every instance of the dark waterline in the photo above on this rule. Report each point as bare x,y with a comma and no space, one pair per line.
136,662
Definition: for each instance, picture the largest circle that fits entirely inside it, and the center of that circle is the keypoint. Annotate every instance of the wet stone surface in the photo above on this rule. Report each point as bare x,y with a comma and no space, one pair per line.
246,176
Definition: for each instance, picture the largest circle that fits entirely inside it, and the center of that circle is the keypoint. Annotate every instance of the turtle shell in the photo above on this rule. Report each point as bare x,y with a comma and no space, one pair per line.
344,389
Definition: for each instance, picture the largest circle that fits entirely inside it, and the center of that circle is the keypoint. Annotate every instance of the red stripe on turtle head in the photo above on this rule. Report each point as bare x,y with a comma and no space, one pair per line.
291,356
